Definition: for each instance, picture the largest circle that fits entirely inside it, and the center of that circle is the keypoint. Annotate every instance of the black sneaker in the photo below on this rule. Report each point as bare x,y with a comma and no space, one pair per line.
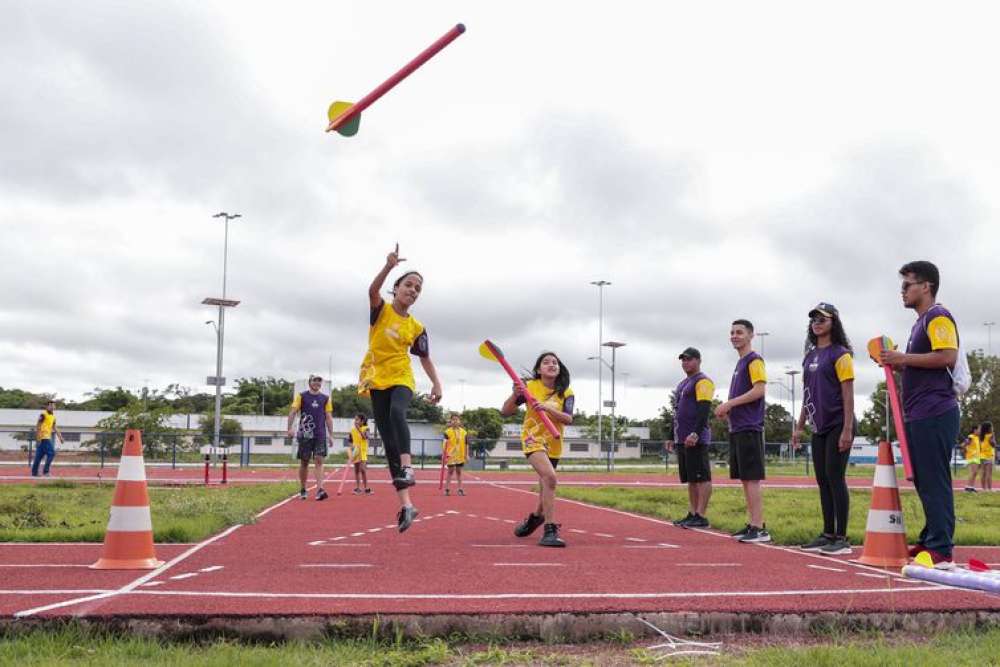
302,494
817,543
357,491
697,521
529,525
682,523
322,495
368,492
407,480
551,537
837,547
447,492
406,516
461,492
756,534
741,532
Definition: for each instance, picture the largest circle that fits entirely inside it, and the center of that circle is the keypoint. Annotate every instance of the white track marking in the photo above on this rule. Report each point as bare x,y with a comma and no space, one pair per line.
509,521
872,575
345,544
577,530
651,546
823,567
536,596
708,564
57,591
336,565
154,583
187,575
635,539
603,535
128,588
528,565
212,568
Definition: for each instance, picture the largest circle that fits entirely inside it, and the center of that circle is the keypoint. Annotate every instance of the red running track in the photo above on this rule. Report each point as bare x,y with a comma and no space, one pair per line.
344,556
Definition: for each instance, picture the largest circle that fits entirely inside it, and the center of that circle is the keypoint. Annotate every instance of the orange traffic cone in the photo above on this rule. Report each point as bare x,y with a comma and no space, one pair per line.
128,544
885,536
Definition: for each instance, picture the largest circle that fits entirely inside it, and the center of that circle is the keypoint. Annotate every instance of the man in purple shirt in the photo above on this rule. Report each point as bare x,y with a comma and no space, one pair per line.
693,403
930,407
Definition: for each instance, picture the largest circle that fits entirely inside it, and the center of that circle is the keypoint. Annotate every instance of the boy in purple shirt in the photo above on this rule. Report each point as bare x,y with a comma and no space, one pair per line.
745,411
930,407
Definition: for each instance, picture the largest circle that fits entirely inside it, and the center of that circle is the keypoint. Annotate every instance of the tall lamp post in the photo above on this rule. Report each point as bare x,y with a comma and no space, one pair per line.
763,335
791,372
614,345
989,337
222,303
600,284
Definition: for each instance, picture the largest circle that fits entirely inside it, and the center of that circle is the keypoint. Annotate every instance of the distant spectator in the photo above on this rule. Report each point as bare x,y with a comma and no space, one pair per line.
44,429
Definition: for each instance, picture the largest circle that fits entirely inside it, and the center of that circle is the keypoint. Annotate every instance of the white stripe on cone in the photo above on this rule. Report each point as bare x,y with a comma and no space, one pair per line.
132,519
885,476
131,469
885,521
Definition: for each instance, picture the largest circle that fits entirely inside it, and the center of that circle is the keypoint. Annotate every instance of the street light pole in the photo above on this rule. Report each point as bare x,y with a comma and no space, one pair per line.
792,372
614,345
989,337
600,284
222,303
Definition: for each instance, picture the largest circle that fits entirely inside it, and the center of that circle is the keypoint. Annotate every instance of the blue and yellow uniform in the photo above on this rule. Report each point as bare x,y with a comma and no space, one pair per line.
534,436
456,446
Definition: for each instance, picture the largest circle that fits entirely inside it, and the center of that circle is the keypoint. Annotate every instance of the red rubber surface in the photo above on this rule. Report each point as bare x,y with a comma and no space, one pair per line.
462,557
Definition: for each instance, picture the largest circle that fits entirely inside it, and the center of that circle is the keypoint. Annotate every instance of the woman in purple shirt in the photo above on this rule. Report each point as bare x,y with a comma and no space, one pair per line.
828,404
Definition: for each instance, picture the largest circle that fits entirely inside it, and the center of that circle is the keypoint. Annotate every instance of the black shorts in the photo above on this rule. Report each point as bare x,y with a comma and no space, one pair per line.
693,463
554,462
746,456
456,465
310,448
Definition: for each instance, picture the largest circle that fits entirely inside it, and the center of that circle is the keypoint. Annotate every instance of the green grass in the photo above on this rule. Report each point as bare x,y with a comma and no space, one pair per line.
71,644
67,512
793,515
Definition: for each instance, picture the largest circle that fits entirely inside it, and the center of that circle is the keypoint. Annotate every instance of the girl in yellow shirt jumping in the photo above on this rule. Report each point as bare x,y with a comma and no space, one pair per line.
386,374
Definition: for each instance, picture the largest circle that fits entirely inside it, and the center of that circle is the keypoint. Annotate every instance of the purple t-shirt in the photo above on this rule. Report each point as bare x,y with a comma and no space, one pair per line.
821,392
686,414
927,392
750,416
312,417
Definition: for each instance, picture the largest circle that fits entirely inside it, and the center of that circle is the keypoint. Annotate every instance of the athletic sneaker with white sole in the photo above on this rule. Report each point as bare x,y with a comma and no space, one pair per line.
838,547
756,534
741,532
818,543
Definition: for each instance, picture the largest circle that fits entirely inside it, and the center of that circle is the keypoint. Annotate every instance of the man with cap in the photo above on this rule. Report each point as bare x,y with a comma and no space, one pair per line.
315,429
692,404
44,430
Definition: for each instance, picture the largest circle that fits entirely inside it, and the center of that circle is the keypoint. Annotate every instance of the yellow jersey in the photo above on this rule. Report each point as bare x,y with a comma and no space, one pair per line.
534,436
972,448
986,451
46,423
391,339
359,444
456,446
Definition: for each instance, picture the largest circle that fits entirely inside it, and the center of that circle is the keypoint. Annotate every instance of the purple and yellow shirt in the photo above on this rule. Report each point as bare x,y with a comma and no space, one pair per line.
749,417
928,392
824,369
689,392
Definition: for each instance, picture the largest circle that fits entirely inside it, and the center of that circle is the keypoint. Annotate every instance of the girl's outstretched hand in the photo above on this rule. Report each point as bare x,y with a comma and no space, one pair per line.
393,258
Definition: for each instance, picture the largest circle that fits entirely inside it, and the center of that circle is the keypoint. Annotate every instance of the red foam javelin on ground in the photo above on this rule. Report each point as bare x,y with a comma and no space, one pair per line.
391,82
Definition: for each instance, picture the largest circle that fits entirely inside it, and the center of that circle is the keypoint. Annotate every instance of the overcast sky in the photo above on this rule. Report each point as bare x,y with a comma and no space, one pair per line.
711,160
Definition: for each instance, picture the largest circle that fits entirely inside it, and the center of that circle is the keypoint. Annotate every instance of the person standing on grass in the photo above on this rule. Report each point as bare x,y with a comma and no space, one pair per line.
828,404
359,454
44,430
987,452
745,411
315,429
973,458
387,376
549,385
694,405
456,452
930,406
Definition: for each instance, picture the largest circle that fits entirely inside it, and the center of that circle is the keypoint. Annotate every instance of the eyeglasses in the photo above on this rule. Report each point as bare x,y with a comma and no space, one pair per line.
907,284
818,319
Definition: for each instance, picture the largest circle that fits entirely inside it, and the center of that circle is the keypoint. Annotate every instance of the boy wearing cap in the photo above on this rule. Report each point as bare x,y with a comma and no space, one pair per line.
44,430
315,428
693,398
745,411
930,407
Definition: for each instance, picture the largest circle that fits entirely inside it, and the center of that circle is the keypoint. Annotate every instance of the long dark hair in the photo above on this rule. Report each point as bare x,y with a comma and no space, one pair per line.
985,429
562,380
837,335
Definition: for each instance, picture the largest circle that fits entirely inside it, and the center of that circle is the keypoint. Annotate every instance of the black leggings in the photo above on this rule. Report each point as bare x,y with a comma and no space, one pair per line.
830,464
390,407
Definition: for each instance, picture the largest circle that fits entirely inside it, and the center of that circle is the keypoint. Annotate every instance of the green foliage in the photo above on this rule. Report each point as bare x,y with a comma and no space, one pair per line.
982,401
872,424
107,400
18,399
347,402
157,435
255,396
230,430
777,423
423,410
483,423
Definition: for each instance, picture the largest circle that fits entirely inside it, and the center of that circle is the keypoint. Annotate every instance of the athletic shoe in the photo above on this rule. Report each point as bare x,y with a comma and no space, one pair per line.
551,536
697,521
303,495
741,532
322,494
368,492
682,523
46,474
357,491
837,547
407,480
941,562
529,525
817,544
970,489
915,549
756,534
406,516
461,492
447,492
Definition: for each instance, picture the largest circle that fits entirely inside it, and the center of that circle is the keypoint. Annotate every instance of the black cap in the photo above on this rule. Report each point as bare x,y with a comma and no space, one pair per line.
315,377
824,308
690,352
